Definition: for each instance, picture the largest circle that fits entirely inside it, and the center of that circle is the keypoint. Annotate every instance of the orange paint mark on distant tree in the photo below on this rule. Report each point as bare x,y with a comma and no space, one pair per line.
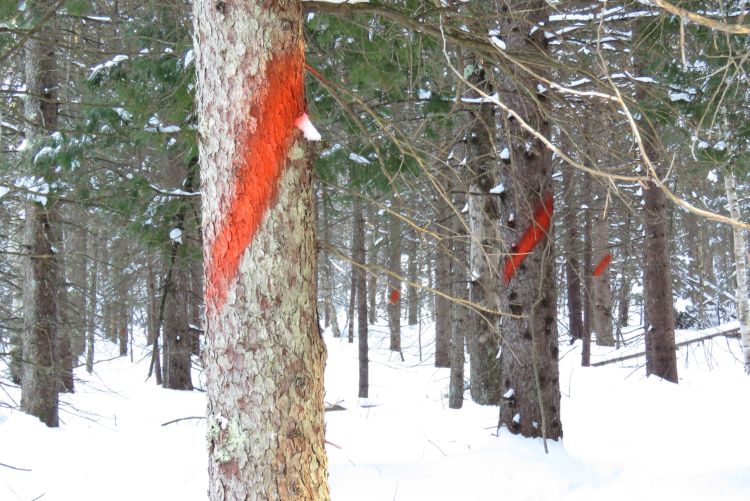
261,157
602,265
394,296
540,225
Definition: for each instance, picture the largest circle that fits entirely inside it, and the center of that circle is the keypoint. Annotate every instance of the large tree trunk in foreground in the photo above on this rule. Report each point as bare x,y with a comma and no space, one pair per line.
264,353
40,362
529,358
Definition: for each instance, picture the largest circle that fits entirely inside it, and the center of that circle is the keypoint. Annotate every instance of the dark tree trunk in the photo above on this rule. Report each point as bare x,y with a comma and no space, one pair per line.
443,284
529,357
40,364
360,275
661,357
177,345
458,312
394,281
587,287
572,265
412,293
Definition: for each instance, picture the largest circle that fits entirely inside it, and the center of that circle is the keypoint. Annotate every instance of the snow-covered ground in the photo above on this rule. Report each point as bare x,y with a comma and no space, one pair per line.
626,436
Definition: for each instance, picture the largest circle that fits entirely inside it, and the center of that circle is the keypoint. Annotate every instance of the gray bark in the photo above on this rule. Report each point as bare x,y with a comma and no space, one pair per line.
394,282
601,286
483,338
40,370
360,276
264,355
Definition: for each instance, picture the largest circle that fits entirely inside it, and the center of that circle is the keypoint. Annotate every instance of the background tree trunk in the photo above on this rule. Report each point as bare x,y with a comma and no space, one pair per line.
394,280
360,275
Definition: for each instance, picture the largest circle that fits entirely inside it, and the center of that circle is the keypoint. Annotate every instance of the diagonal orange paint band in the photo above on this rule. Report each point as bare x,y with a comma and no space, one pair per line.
539,228
260,161
602,265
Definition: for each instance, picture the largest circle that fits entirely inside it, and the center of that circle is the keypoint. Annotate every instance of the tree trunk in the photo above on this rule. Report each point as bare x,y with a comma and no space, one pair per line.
360,275
93,320
458,312
372,278
394,280
482,335
740,264
352,295
39,378
153,321
601,288
529,358
412,293
572,265
443,276
264,353
329,284
587,282
661,357
40,373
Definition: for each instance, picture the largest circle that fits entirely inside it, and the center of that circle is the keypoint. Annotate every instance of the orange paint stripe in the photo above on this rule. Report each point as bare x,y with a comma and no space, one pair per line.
540,225
260,161
602,265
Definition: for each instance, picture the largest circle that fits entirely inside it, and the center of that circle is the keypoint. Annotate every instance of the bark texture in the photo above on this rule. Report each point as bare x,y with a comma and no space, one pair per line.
360,276
394,281
529,358
572,264
483,338
40,364
740,264
602,288
264,355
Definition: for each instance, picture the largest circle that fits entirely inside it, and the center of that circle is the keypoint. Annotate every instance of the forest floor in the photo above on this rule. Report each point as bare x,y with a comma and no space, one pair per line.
626,436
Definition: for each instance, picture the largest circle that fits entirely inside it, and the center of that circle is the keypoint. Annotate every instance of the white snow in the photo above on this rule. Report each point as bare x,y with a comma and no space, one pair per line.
500,188
304,124
359,159
189,58
505,154
498,43
680,96
626,436
424,93
176,235
713,176
107,64
509,394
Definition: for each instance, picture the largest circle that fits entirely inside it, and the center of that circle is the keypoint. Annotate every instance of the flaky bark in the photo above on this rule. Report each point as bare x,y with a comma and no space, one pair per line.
264,356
